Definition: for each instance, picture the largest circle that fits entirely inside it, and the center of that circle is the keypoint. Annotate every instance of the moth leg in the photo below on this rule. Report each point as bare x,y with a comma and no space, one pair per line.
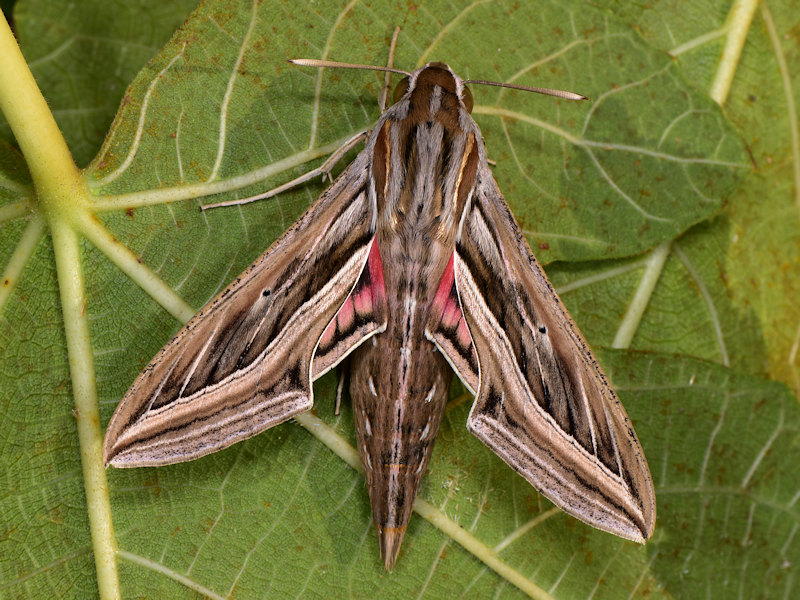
387,80
339,389
324,169
344,375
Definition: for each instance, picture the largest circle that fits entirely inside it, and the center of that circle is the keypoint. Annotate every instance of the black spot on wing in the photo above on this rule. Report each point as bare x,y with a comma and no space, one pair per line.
493,403
296,377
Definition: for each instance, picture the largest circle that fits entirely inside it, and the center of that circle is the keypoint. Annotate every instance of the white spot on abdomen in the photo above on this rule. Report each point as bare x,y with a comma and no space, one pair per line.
425,431
429,397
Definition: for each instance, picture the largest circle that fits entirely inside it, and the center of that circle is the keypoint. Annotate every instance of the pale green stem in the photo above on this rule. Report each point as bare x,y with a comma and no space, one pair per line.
588,145
530,525
699,41
196,190
22,254
131,265
334,28
82,376
793,358
706,295
14,210
443,31
788,92
633,316
481,551
612,273
59,189
328,436
496,111
737,26
53,172
490,557
171,574
794,132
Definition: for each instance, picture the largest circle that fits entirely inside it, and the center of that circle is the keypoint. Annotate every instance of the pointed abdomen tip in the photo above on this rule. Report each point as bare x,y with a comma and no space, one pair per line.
390,539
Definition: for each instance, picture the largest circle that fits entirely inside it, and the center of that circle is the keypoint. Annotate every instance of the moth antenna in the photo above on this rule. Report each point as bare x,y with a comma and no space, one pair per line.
387,80
313,62
538,90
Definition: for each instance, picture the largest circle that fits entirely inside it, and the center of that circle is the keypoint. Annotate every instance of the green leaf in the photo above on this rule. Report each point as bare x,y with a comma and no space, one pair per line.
641,182
85,54
738,275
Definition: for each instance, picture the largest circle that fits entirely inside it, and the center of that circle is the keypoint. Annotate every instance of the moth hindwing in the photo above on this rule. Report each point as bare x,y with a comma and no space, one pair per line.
414,247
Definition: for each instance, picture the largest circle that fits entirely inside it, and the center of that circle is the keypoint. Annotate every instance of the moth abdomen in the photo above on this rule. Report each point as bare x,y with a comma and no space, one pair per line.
398,405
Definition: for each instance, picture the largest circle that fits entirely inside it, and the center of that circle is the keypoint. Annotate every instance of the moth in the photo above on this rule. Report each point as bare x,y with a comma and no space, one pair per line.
412,265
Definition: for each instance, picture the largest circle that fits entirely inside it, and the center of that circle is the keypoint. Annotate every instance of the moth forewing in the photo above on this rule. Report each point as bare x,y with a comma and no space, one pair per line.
243,363
414,247
544,404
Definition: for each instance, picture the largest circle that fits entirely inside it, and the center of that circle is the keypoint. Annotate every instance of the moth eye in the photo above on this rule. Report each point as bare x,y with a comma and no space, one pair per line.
400,90
466,98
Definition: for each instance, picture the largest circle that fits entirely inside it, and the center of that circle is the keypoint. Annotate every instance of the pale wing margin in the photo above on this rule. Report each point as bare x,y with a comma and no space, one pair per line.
544,404
243,363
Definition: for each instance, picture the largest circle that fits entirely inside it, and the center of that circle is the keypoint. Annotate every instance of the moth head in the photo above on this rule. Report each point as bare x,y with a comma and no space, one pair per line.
435,73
